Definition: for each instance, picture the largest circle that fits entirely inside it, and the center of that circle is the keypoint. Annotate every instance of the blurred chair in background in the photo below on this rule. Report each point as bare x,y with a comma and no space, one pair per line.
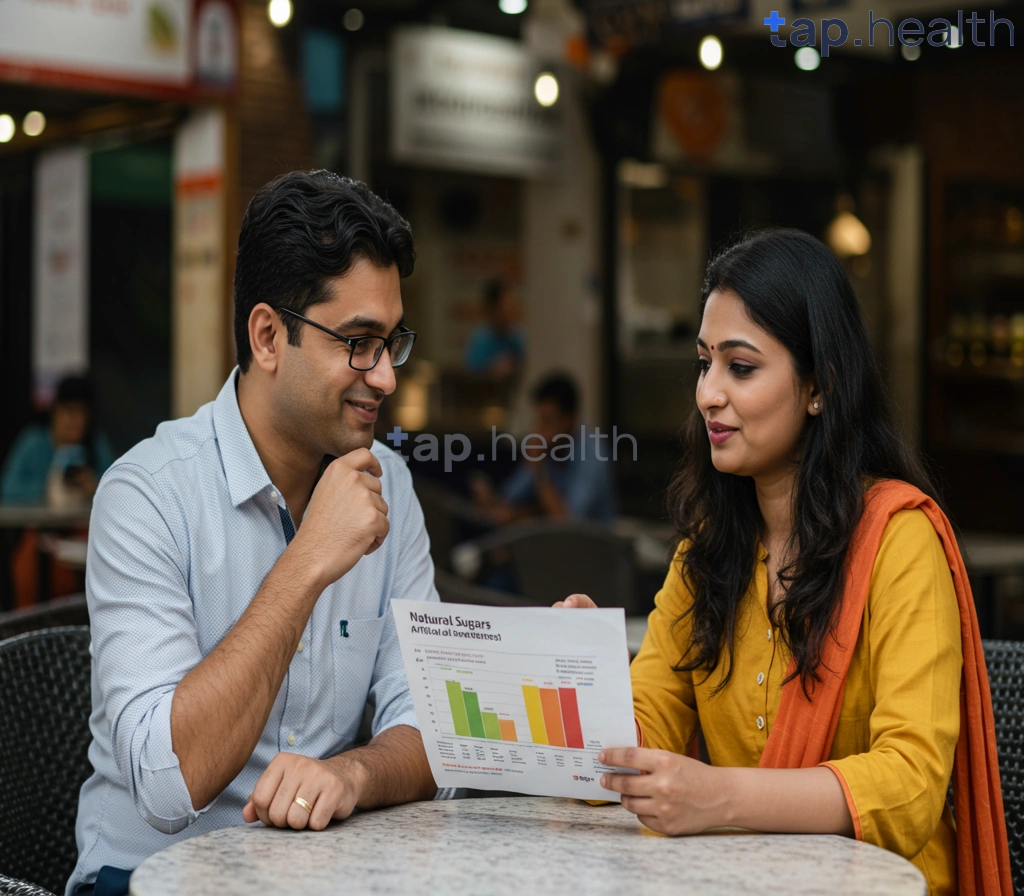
551,560
70,610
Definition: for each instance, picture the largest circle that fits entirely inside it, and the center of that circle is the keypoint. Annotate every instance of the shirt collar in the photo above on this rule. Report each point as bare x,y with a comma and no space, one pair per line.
243,468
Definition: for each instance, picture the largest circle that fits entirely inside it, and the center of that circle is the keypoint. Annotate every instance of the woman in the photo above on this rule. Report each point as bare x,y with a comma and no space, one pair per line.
69,438
811,596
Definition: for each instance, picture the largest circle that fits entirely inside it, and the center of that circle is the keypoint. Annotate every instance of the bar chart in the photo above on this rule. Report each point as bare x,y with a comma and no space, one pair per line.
499,709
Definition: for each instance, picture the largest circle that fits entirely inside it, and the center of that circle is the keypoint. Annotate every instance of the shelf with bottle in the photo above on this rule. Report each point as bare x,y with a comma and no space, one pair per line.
979,345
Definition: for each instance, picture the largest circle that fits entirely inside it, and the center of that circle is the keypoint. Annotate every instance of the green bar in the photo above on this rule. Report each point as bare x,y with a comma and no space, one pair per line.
476,723
458,709
492,730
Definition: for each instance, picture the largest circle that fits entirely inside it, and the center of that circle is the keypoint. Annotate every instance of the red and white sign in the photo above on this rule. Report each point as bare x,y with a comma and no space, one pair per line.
156,47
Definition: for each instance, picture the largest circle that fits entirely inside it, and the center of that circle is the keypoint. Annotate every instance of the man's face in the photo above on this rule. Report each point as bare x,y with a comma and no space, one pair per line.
549,421
326,405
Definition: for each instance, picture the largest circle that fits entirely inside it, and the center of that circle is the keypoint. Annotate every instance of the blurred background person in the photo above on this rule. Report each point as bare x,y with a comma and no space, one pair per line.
565,479
59,460
496,346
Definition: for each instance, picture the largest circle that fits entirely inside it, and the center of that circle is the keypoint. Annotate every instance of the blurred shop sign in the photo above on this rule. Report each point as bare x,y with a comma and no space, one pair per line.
60,267
200,278
466,101
643,21
172,48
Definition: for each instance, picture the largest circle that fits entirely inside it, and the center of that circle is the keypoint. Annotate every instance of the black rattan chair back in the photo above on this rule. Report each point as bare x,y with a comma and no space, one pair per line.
1005,661
44,716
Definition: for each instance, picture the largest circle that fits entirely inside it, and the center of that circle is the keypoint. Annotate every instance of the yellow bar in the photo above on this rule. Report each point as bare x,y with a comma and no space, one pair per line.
535,713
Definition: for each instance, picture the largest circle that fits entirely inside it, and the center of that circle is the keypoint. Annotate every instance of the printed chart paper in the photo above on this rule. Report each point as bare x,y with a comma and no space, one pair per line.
519,699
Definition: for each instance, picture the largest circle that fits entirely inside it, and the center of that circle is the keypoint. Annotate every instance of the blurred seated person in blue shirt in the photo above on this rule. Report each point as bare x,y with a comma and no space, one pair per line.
242,561
496,346
570,478
68,443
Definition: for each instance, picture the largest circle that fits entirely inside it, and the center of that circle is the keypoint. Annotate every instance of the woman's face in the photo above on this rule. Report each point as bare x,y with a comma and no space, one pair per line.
70,422
754,405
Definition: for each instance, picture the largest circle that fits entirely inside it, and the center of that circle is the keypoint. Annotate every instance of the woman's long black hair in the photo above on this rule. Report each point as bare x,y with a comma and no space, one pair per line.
795,289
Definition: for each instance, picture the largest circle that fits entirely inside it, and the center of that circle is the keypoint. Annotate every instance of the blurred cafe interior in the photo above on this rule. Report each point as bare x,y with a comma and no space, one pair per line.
568,167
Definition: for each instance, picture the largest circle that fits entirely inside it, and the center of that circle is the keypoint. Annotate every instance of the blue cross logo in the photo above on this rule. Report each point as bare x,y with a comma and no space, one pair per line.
774,20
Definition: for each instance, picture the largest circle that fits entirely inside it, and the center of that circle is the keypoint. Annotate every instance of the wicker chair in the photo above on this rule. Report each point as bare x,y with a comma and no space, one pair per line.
44,715
11,887
1005,661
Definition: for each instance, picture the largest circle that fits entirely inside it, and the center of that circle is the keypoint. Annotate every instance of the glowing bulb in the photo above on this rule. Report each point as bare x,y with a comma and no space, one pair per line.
711,53
546,89
7,128
34,124
280,12
847,235
512,7
807,59
911,54
353,20
955,40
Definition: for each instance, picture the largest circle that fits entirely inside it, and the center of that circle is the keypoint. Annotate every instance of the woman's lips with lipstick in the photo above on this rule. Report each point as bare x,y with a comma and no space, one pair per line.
719,432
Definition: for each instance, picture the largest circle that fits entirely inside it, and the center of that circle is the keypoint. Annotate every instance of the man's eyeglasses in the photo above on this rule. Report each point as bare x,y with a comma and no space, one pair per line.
366,350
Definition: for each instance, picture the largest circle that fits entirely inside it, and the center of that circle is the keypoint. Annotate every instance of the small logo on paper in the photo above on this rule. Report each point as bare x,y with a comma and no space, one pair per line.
585,778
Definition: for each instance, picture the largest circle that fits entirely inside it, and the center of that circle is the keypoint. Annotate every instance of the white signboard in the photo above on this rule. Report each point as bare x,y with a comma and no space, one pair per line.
60,305
466,101
119,40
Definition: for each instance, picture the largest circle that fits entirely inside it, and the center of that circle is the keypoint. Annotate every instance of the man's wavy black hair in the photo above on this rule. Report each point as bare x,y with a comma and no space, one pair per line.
794,288
302,230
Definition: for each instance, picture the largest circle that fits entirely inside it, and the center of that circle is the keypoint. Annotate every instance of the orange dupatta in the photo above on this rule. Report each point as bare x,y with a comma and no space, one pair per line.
804,729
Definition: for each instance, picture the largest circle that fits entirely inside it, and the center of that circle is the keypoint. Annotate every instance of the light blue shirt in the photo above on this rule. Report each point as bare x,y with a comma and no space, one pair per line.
185,527
484,347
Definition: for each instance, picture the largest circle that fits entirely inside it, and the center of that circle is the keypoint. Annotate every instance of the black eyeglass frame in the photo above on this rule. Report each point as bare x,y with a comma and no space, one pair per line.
353,341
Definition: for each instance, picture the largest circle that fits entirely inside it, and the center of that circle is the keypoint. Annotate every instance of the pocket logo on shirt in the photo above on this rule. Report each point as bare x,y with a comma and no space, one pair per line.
344,628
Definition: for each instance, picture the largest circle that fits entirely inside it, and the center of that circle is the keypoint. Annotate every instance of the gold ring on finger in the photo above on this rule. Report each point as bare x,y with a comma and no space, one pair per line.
304,803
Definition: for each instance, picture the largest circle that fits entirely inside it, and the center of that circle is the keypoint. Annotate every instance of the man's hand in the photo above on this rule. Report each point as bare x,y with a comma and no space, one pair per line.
331,793
346,517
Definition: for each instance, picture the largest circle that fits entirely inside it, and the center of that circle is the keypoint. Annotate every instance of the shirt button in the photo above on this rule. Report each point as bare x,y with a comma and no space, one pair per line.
760,724
760,677
301,647
291,737
769,634
273,496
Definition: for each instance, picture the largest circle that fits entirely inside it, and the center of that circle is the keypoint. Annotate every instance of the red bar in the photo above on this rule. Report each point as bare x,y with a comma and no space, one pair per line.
552,716
571,717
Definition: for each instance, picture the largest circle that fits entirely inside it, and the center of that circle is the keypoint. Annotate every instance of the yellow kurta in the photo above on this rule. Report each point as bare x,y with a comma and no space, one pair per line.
900,717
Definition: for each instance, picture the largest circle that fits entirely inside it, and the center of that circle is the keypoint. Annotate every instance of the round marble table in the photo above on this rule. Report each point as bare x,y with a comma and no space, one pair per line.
515,845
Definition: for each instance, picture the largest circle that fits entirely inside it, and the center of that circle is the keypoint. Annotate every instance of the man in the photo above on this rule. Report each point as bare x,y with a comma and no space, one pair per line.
558,484
242,561
496,345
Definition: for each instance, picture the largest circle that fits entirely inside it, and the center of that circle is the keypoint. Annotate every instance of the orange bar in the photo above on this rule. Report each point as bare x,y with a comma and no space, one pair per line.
552,716
508,730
